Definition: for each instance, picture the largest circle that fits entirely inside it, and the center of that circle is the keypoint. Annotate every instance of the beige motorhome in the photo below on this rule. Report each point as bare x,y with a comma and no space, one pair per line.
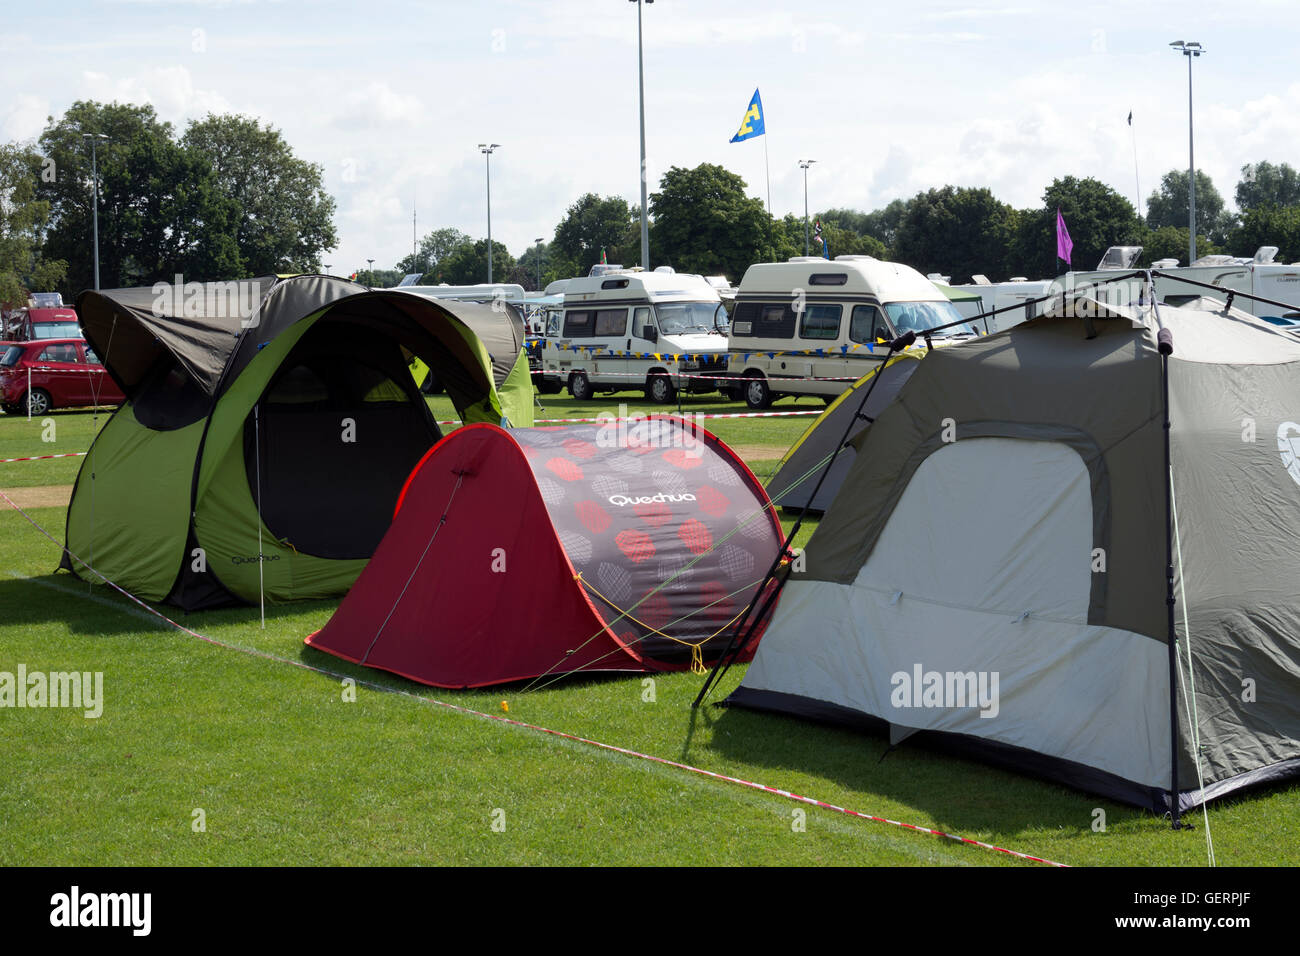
813,326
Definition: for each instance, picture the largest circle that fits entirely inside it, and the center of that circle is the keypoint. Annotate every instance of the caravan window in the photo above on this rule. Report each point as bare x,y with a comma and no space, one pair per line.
868,324
611,322
820,322
763,320
579,325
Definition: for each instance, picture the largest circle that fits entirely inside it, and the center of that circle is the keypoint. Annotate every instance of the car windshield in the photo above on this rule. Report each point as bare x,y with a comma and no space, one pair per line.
923,316
56,330
678,317
11,356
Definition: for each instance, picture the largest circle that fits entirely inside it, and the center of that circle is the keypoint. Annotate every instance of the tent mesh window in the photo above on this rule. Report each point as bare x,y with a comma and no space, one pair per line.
332,439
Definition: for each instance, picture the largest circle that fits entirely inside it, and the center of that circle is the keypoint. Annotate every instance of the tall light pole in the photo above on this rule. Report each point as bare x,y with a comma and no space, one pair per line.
640,70
1190,50
486,149
371,277
804,164
94,138
540,240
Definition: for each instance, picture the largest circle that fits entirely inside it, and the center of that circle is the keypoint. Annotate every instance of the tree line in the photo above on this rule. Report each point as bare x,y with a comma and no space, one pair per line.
227,198
703,221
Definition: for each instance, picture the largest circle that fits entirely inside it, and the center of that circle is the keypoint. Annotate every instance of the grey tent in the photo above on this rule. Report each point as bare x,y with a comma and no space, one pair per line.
798,473
993,570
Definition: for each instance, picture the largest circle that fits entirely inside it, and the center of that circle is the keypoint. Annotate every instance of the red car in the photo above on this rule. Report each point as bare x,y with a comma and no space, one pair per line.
64,373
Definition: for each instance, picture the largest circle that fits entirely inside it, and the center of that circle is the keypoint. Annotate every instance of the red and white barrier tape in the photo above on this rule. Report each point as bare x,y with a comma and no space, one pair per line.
71,454
433,701
713,377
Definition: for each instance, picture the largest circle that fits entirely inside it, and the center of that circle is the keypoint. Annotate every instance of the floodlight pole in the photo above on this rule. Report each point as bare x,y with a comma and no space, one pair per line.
1191,50
640,70
94,175
804,164
540,240
486,149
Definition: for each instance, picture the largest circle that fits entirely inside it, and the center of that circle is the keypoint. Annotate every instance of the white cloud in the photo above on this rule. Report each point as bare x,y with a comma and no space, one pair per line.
169,89
25,117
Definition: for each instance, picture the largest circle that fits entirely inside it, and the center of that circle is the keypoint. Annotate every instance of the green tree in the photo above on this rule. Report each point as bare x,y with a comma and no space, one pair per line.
527,266
161,209
880,224
592,224
380,278
286,219
434,248
956,231
467,265
1096,216
1270,226
1170,242
705,223
1168,205
1263,184
23,218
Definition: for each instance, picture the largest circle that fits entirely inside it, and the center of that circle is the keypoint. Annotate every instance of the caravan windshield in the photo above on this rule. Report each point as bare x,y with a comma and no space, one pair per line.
678,317
923,316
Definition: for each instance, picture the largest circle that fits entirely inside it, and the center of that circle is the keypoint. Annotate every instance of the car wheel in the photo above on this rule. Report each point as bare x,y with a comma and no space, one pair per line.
579,387
661,389
38,401
756,393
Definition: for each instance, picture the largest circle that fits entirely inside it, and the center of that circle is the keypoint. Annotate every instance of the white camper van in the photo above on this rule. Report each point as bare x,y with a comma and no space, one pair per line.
812,326
1258,275
997,296
656,331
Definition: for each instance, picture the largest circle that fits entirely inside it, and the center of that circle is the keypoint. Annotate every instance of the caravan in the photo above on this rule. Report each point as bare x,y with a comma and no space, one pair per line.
810,326
657,331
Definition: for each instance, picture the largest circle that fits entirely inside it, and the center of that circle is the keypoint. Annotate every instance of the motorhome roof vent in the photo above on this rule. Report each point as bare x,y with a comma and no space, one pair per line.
856,258
614,284
1165,264
981,279
1018,279
1265,254
828,278
806,259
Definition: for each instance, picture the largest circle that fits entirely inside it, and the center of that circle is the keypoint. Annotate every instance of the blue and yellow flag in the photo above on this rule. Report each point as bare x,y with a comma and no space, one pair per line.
752,124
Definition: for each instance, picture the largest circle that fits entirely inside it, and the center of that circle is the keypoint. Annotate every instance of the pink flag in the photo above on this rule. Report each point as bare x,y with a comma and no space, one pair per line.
1064,244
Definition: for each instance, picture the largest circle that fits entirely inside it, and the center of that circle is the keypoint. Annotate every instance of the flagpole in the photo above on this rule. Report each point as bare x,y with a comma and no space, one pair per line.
1136,182
768,166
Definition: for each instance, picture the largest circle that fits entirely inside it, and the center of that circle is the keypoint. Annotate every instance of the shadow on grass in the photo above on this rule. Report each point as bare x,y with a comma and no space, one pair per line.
960,794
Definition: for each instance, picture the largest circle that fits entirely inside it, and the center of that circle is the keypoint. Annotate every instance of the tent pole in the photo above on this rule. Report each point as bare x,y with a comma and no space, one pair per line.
261,563
736,645
1165,341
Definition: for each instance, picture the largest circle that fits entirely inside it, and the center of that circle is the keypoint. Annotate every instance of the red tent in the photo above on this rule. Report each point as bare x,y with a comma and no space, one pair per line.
514,554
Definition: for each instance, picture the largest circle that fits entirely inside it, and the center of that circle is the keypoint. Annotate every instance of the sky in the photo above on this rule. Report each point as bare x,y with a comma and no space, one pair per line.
392,98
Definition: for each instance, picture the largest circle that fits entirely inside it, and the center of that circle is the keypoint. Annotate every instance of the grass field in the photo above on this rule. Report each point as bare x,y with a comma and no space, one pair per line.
281,769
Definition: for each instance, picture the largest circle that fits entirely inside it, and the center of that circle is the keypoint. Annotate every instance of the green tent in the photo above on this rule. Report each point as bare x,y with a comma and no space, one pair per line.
269,426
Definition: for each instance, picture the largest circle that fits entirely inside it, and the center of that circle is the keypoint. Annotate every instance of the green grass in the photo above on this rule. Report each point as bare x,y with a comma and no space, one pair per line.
287,772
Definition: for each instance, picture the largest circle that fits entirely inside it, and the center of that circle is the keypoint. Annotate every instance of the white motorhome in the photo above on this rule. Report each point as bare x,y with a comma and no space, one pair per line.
994,297
655,331
811,326
1258,275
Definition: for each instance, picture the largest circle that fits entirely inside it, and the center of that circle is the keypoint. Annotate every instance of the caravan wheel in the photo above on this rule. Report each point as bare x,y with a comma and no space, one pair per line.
757,394
580,387
661,389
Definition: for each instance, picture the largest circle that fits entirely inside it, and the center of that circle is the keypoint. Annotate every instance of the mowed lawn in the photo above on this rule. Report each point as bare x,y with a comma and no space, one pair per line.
280,768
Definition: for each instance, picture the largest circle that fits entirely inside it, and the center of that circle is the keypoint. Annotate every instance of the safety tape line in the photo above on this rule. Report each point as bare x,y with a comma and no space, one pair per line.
720,376
468,711
71,454
611,419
